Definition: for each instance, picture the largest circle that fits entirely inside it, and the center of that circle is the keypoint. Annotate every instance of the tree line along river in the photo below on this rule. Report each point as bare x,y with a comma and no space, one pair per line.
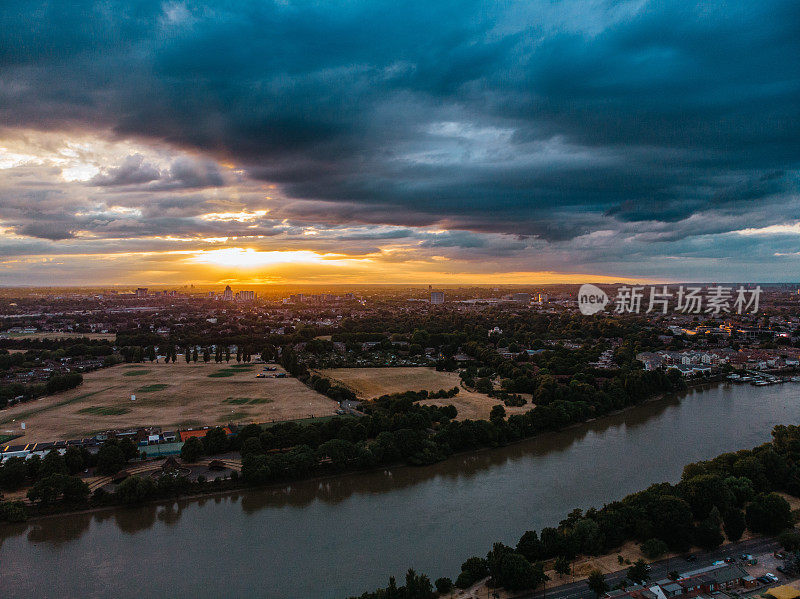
345,535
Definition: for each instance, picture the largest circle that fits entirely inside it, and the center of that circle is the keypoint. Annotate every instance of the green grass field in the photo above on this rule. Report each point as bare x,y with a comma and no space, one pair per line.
66,402
151,388
104,410
135,372
233,417
240,401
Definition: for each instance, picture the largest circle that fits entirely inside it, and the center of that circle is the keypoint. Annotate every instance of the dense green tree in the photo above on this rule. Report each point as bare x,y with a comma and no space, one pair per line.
708,536
751,468
472,570
251,446
256,469
75,459
418,586
529,546
13,473
705,492
673,522
136,489
742,489
639,572
562,566
216,441
192,450
769,514
597,583
341,453
54,486
443,585
110,458
53,463
733,524
13,511
790,540
497,412
516,573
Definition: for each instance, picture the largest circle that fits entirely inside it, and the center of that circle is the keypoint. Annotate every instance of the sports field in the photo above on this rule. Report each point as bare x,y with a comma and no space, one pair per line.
368,383
168,395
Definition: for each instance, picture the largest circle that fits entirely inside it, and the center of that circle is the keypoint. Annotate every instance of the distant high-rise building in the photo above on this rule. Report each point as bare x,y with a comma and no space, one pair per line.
543,298
437,297
227,295
245,296
141,292
521,297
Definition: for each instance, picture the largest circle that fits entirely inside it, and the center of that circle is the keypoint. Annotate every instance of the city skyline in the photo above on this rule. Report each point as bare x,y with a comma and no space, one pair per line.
256,143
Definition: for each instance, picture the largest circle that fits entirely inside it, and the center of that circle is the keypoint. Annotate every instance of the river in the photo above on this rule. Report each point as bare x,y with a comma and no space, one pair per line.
347,535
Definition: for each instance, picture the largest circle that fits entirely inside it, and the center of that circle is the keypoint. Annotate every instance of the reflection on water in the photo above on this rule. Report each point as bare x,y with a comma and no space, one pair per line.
330,537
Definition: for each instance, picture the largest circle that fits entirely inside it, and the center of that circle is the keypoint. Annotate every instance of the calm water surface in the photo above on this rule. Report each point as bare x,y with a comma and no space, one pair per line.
345,536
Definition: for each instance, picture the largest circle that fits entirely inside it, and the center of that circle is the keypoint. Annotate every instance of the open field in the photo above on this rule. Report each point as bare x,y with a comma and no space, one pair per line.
167,395
67,335
368,383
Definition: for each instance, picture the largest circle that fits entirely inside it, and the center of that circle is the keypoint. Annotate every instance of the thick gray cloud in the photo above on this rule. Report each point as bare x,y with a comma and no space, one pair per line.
669,120
183,173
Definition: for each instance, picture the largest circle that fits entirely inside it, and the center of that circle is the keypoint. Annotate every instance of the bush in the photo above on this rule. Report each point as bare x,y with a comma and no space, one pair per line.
515,401
12,511
443,585
63,382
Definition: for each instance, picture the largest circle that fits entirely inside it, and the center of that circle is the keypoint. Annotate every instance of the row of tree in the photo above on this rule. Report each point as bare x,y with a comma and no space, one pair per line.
731,493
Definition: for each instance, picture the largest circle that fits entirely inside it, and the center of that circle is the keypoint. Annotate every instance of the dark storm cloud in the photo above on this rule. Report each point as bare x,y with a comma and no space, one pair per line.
53,231
537,119
183,173
133,171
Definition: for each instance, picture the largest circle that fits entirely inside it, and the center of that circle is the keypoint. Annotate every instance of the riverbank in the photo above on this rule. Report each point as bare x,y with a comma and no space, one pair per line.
239,486
430,518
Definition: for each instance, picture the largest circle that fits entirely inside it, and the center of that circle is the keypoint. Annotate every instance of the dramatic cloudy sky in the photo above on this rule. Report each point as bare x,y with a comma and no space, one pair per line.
371,141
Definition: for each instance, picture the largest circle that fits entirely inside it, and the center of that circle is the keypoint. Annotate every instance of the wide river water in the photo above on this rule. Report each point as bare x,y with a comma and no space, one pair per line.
346,535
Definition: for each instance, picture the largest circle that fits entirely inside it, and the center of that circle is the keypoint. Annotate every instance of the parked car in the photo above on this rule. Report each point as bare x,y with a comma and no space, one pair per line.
763,580
730,560
771,576
781,569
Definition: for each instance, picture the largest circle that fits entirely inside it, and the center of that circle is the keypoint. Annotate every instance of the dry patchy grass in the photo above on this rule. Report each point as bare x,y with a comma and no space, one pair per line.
168,395
368,383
